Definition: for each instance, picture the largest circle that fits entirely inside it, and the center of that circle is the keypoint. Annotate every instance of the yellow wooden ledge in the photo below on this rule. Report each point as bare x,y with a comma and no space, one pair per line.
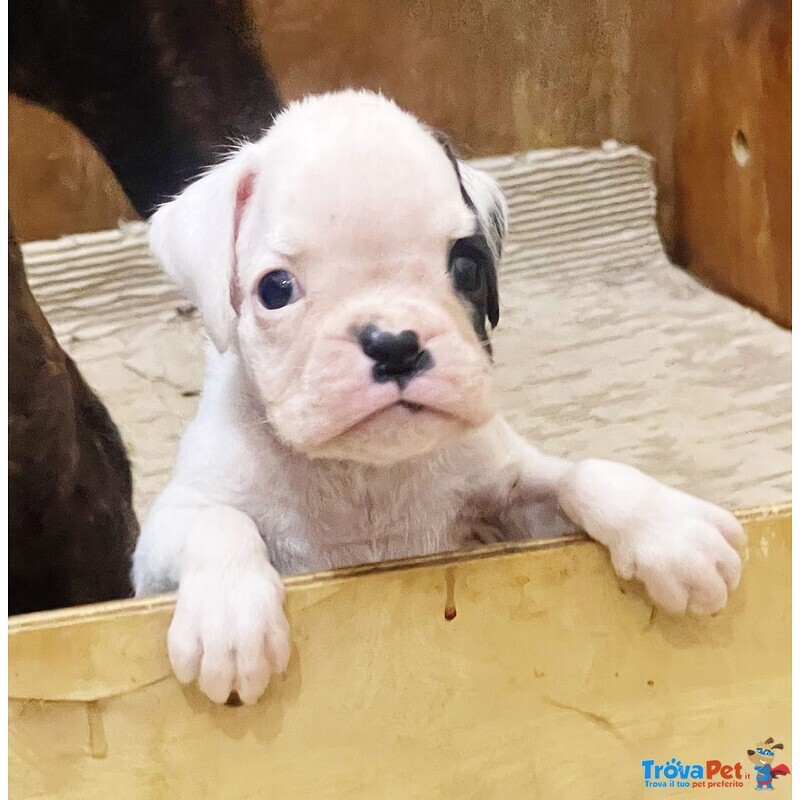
553,680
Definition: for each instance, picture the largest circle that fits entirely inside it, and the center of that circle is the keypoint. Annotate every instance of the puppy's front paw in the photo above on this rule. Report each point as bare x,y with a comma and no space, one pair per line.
684,551
229,632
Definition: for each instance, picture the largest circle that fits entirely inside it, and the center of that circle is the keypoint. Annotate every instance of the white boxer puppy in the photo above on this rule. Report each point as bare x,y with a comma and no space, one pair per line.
345,267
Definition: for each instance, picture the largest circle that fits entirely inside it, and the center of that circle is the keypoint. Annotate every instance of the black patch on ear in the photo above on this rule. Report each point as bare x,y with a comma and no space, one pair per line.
480,291
444,141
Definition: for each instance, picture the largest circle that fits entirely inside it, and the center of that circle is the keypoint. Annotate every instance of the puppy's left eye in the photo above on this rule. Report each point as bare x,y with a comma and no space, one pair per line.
279,288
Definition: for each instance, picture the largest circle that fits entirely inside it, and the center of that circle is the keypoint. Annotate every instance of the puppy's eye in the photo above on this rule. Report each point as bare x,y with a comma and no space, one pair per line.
466,275
467,266
279,288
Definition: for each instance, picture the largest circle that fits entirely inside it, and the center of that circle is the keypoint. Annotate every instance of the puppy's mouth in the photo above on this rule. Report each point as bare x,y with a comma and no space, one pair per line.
414,407
432,408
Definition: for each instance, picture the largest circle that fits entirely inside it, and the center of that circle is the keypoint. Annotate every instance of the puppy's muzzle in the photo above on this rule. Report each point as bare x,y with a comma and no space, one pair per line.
398,357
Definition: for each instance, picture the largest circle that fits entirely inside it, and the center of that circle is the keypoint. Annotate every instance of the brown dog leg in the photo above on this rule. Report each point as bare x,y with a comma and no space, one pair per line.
71,521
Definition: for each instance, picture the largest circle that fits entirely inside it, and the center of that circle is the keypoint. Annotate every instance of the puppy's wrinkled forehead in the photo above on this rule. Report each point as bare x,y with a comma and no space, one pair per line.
357,172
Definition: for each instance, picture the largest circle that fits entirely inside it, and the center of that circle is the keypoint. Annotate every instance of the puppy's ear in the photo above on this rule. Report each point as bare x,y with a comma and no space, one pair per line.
482,194
193,238
489,203
486,198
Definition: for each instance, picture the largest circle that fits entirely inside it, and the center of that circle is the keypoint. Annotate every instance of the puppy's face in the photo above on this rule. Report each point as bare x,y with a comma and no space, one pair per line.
352,262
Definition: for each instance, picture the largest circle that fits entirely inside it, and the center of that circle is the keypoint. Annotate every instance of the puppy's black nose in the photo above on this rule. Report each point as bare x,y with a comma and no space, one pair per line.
398,356
388,348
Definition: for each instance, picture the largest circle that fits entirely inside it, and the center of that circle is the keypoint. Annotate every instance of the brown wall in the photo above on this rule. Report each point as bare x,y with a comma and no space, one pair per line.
733,217
56,182
504,75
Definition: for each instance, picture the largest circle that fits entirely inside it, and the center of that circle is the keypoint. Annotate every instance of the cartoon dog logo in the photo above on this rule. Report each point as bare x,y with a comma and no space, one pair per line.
762,757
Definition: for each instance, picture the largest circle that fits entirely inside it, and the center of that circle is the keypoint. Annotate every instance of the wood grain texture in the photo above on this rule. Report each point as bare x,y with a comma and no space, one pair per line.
498,76
678,78
57,182
553,680
733,150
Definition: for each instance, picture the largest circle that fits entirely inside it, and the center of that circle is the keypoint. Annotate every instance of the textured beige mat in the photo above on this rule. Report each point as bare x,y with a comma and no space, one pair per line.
604,348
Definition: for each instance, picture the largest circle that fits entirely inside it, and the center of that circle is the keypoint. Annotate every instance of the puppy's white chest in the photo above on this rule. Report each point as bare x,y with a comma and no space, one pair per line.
366,518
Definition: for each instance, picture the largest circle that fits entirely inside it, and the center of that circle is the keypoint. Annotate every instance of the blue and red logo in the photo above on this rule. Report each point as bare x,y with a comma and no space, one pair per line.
711,774
762,758
717,774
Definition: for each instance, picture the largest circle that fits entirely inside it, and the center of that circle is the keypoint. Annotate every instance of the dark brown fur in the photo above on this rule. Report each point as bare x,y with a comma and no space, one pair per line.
71,524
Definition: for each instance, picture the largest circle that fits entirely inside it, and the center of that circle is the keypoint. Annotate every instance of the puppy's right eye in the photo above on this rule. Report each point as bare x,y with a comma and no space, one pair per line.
279,288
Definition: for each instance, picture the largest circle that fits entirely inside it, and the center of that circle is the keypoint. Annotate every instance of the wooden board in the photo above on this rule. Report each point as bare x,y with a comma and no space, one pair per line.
57,182
499,77
552,680
679,79
733,154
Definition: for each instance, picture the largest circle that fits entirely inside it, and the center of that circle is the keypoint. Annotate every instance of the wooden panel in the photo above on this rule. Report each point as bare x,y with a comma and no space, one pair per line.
680,79
57,182
733,149
550,679
652,97
499,77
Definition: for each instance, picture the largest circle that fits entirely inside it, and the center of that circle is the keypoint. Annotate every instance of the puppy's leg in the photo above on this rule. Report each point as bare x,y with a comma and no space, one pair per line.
683,549
229,631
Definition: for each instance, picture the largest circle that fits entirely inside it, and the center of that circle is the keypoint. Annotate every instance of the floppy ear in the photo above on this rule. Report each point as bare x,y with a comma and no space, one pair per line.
193,238
482,194
486,198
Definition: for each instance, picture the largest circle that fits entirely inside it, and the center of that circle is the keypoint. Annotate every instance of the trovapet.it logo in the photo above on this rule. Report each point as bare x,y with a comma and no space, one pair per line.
717,774
710,774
